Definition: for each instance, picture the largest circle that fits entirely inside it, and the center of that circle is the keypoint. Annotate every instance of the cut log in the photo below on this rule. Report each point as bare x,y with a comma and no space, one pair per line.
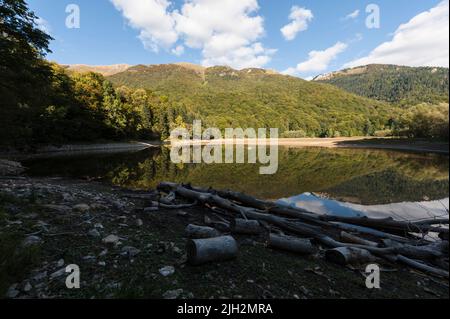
246,227
201,251
292,244
196,232
349,255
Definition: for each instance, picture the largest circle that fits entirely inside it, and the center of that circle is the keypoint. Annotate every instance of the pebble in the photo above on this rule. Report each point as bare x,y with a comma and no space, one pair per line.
167,271
130,251
111,239
27,287
12,291
94,233
60,263
31,240
139,222
173,294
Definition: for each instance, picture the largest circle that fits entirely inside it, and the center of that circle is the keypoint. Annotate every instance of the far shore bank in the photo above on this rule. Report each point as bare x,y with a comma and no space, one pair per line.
81,148
401,144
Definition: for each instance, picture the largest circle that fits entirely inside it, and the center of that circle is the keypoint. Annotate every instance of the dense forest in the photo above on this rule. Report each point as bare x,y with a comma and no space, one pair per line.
401,85
223,97
43,102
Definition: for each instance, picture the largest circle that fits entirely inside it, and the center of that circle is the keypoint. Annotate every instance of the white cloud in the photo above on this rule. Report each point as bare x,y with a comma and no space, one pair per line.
423,41
178,50
318,60
352,15
43,25
152,18
300,18
227,32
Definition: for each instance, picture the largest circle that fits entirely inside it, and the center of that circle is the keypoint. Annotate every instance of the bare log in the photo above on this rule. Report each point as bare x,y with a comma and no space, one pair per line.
431,251
349,238
247,227
200,251
349,255
195,232
292,244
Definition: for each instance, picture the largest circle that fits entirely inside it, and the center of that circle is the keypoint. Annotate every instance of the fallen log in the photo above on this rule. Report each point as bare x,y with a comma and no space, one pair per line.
292,244
435,250
349,238
308,227
349,255
201,251
196,232
246,227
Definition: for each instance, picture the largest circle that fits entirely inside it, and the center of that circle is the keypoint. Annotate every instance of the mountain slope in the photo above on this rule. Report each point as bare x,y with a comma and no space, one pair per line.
224,97
391,83
105,70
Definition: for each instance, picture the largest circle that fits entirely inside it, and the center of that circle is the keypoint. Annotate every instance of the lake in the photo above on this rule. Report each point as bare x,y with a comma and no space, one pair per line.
360,176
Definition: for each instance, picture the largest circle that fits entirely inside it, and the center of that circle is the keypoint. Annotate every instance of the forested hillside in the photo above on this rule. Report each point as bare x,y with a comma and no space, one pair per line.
223,97
391,83
42,102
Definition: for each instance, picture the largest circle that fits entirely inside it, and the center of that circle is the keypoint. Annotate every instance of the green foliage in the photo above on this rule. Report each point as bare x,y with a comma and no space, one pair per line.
424,121
23,73
402,85
222,97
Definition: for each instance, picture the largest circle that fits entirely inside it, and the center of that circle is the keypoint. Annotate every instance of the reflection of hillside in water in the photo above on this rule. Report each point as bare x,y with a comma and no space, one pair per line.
411,211
368,176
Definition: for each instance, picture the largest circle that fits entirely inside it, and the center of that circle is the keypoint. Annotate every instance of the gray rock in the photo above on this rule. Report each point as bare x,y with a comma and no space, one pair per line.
12,291
111,239
130,251
27,287
31,241
98,225
139,222
167,271
94,233
173,294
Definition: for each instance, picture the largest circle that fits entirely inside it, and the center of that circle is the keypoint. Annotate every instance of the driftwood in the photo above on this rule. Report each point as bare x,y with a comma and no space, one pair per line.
196,232
395,240
200,251
292,244
349,238
349,255
244,226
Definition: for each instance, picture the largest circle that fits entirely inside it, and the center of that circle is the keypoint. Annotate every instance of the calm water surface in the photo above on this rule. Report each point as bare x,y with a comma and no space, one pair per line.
359,176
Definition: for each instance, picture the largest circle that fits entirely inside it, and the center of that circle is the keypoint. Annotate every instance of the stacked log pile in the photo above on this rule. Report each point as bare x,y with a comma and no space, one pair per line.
347,240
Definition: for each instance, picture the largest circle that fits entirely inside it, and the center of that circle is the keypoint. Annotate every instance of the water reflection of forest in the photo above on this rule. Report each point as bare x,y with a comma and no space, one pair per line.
366,176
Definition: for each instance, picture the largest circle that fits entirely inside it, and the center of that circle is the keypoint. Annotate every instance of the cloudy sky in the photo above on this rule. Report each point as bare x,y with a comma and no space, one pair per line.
297,37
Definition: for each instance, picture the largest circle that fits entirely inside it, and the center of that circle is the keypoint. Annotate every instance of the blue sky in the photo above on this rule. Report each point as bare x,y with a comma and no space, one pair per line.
321,36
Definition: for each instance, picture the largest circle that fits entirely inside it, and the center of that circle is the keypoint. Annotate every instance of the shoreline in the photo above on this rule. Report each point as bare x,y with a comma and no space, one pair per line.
122,248
410,145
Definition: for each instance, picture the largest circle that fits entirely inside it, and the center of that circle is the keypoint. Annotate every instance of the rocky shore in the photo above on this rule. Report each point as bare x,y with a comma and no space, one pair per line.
126,251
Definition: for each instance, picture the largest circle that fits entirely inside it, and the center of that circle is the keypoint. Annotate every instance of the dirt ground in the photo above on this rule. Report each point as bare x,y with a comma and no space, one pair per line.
46,224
